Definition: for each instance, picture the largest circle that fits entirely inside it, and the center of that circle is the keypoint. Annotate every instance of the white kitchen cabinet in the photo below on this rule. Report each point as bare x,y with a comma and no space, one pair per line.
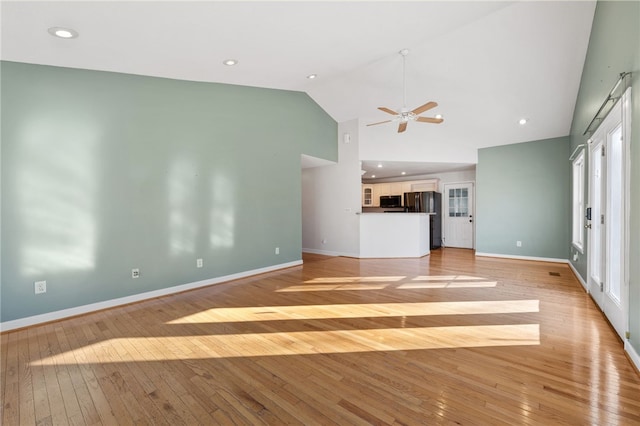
385,188
367,195
425,185
376,195
396,188
371,193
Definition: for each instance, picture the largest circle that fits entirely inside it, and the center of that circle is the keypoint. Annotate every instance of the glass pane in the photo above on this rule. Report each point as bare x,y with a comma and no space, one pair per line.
615,224
452,193
465,192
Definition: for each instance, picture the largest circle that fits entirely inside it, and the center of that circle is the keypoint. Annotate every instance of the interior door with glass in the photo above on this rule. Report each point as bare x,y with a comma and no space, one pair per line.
458,215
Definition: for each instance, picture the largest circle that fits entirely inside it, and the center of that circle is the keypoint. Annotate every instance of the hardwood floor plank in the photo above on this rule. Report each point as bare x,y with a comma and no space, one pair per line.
10,384
4,348
61,369
40,397
67,341
445,339
27,408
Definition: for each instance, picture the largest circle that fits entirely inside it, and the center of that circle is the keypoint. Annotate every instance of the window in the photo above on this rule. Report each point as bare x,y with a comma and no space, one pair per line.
458,202
577,232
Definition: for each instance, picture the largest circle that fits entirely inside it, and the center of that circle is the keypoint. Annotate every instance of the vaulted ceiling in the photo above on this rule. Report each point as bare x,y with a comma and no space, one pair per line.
487,63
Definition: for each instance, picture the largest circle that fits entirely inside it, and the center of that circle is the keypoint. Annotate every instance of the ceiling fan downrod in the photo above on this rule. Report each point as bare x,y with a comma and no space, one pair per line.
404,53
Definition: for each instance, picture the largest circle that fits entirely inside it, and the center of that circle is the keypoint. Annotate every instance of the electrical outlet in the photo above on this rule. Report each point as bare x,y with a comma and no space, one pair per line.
277,250
135,273
40,287
324,241
575,256
518,243
199,263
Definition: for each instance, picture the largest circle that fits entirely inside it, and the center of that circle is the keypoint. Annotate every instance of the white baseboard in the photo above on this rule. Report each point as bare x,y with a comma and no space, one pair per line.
578,276
80,310
513,256
324,252
328,252
633,355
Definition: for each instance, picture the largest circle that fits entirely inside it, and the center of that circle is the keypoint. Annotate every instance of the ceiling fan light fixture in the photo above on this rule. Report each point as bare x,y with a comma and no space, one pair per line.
438,116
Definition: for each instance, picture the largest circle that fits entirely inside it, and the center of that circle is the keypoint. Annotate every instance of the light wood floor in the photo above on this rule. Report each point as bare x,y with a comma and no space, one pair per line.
447,339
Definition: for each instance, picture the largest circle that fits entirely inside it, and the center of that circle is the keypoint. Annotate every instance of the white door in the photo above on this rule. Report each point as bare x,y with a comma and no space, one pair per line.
457,215
608,236
596,237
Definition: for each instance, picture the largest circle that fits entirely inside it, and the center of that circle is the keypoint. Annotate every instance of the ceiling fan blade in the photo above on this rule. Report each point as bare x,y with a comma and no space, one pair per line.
379,122
429,120
388,110
402,127
425,107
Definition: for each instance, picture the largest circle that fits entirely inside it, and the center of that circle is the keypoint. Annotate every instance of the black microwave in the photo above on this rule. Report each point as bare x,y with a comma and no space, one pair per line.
390,201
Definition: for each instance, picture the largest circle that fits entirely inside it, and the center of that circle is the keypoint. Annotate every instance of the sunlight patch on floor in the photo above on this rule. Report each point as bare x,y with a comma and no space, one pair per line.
445,278
363,283
451,284
274,313
332,287
149,349
339,280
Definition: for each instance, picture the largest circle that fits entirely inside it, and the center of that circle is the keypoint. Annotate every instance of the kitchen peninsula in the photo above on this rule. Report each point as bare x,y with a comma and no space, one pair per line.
394,235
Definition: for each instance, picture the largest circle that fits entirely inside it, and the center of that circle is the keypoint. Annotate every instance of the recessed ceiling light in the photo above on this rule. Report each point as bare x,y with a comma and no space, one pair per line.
523,121
379,165
404,173
62,32
312,76
373,176
438,115
230,62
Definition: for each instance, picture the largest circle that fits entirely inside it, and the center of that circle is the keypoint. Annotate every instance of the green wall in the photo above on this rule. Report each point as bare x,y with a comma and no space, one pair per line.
614,47
523,194
103,172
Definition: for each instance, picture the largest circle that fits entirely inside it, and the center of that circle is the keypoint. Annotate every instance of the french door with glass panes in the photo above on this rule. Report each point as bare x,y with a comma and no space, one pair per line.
458,215
608,232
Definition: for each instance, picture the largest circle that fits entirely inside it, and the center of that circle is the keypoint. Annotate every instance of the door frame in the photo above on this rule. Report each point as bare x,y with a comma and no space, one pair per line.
445,218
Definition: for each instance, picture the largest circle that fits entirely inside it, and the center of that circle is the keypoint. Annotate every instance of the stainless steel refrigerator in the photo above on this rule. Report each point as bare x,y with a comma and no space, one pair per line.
427,202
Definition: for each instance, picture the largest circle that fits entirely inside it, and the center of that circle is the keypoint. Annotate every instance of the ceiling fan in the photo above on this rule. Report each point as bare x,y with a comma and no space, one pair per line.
405,115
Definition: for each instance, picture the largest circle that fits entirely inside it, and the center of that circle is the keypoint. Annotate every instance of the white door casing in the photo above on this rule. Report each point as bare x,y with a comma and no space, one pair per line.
458,215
